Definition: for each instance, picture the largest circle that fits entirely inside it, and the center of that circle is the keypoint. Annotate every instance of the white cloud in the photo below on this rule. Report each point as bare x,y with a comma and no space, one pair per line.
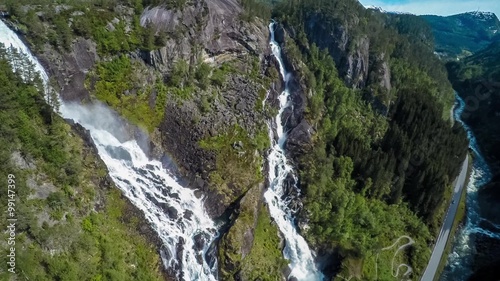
437,7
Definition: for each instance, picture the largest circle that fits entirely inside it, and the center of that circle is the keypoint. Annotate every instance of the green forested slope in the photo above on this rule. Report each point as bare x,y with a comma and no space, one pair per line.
371,179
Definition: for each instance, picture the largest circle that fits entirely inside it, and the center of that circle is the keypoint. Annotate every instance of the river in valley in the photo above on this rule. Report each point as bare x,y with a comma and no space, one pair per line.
460,264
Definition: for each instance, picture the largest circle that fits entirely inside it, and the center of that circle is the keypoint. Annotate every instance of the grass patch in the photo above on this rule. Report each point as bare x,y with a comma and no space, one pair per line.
252,237
265,261
115,86
238,164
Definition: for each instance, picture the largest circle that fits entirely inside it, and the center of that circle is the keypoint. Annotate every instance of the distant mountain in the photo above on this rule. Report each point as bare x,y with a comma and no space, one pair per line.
460,35
484,65
378,8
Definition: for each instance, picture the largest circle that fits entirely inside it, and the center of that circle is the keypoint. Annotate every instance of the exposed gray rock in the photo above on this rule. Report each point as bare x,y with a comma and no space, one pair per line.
44,217
61,8
40,190
19,161
351,55
77,13
385,81
110,27
279,34
214,25
299,139
69,69
357,64
185,125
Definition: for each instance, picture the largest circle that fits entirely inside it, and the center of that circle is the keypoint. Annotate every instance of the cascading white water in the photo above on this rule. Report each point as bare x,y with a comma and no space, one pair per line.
296,250
10,39
459,265
173,211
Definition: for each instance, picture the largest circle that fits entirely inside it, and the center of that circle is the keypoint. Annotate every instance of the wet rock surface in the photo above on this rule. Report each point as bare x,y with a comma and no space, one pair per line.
299,139
70,69
299,130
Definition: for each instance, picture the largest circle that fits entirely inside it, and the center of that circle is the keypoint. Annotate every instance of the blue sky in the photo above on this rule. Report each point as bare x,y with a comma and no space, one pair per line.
436,7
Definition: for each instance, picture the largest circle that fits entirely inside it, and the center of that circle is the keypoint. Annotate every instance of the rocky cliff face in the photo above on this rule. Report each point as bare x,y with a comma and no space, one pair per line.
186,125
350,54
358,64
69,69
211,30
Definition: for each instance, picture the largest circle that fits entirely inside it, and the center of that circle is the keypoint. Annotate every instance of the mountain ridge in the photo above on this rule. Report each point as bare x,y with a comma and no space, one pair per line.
460,35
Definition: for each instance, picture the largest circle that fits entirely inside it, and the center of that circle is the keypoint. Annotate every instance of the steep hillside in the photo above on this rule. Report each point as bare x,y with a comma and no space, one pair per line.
66,210
370,178
463,34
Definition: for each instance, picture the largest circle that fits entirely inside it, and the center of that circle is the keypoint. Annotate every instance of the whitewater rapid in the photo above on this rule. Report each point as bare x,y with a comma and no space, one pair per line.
174,212
459,264
296,251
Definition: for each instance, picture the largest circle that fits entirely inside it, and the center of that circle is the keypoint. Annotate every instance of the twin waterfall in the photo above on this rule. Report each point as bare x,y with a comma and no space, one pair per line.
296,249
174,212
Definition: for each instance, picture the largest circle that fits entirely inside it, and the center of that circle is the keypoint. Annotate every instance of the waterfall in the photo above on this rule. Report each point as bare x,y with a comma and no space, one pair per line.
459,264
296,250
174,212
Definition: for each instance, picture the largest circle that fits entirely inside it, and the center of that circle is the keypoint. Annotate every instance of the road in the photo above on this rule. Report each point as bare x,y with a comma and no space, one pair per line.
444,234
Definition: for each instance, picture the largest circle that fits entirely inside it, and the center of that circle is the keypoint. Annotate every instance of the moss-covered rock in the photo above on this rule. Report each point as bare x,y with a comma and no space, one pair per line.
251,248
